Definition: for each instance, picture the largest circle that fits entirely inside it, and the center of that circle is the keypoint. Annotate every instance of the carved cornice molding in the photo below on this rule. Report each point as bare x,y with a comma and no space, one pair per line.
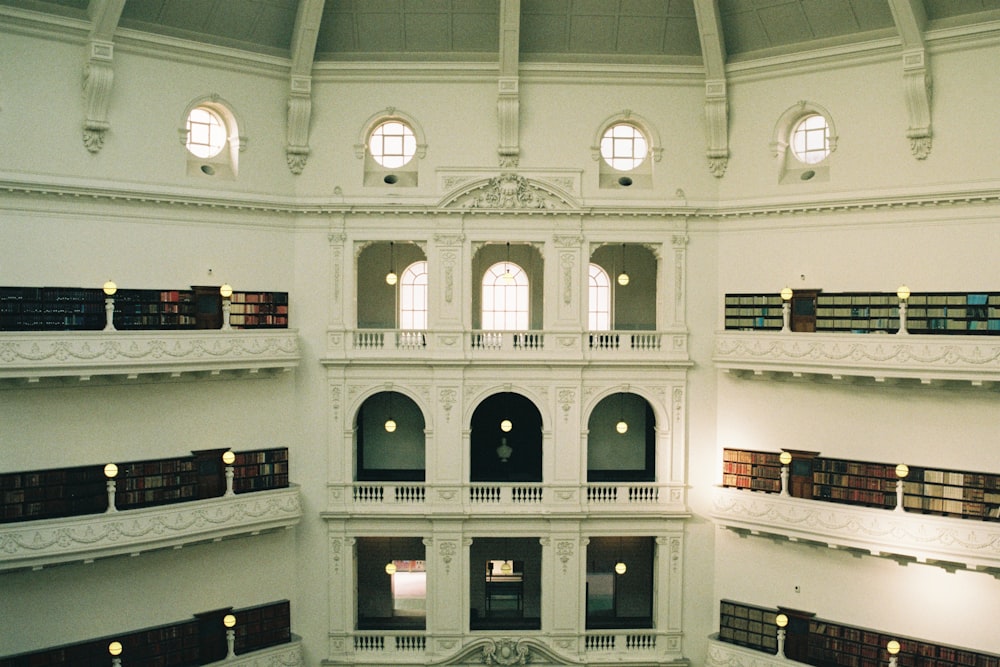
722,654
100,192
85,354
36,544
910,536
926,358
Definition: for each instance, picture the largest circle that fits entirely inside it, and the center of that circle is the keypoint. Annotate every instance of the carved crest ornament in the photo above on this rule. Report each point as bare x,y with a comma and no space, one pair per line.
512,192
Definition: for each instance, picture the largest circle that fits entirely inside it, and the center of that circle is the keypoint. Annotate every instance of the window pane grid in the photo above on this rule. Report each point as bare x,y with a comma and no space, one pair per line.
811,139
392,144
206,133
505,300
624,147
599,294
413,297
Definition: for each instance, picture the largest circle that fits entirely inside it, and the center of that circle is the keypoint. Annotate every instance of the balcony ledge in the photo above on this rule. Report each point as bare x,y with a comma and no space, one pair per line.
38,544
610,499
527,347
724,654
645,647
285,655
33,356
879,357
950,543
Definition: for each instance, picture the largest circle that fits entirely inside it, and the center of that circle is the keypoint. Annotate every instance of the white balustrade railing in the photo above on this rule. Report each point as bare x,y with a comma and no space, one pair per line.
500,497
628,494
526,344
597,642
411,647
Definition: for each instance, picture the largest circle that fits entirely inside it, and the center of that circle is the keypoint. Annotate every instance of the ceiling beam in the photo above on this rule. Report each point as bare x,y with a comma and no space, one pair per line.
713,55
910,17
98,71
306,32
508,100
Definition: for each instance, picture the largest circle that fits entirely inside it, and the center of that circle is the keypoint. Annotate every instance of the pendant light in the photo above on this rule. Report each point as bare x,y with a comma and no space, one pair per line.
622,425
391,277
390,567
620,567
623,276
390,423
508,277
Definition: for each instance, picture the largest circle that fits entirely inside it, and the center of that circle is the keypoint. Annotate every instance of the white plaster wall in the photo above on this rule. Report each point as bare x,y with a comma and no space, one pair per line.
81,243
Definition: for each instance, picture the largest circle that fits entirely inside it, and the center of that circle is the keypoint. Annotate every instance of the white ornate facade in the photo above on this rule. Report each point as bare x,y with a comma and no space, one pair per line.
505,155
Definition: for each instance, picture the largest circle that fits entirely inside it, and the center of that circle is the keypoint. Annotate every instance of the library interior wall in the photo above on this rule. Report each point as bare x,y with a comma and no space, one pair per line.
83,243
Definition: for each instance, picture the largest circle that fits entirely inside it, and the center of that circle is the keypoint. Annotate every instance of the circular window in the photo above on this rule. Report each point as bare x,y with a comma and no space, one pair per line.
811,139
206,134
624,147
392,144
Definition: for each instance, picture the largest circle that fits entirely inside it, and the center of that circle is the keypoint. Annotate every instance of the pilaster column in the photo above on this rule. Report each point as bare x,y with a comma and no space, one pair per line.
341,595
679,283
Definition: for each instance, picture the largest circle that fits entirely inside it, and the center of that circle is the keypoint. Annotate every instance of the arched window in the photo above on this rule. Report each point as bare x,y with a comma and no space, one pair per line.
213,137
413,297
811,139
804,138
599,311
505,298
392,144
624,146
206,132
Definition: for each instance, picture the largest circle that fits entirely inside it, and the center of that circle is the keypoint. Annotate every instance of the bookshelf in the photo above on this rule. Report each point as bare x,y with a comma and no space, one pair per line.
952,493
262,626
753,311
957,493
747,625
62,492
82,309
259,310
260,469
172,645
745,469
854,482
45,494
159,482
830,644
974,313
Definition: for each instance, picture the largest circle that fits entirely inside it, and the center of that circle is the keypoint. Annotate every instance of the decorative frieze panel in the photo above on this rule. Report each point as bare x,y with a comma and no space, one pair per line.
918,537
35,355
877,356
35,544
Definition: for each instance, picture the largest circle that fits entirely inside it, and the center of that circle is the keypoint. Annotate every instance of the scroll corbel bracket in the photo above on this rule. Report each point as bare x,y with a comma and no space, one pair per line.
717,122
299,113
98,77
918,86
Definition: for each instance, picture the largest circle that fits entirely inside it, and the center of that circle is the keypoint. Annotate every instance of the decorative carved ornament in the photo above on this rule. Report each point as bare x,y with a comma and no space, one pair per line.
509,191
75,353
64,540
878,531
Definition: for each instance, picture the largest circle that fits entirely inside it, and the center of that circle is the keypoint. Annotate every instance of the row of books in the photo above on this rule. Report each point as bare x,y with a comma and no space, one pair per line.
47,494
71,308
964,494
191,642
828,643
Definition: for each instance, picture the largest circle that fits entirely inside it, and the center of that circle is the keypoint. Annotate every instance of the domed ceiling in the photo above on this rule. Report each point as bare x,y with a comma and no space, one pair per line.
663,32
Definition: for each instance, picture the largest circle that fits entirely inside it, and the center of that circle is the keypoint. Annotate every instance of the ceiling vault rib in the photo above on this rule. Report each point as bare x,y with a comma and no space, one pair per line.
508,99
307,22
910,17
98,71
716,96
